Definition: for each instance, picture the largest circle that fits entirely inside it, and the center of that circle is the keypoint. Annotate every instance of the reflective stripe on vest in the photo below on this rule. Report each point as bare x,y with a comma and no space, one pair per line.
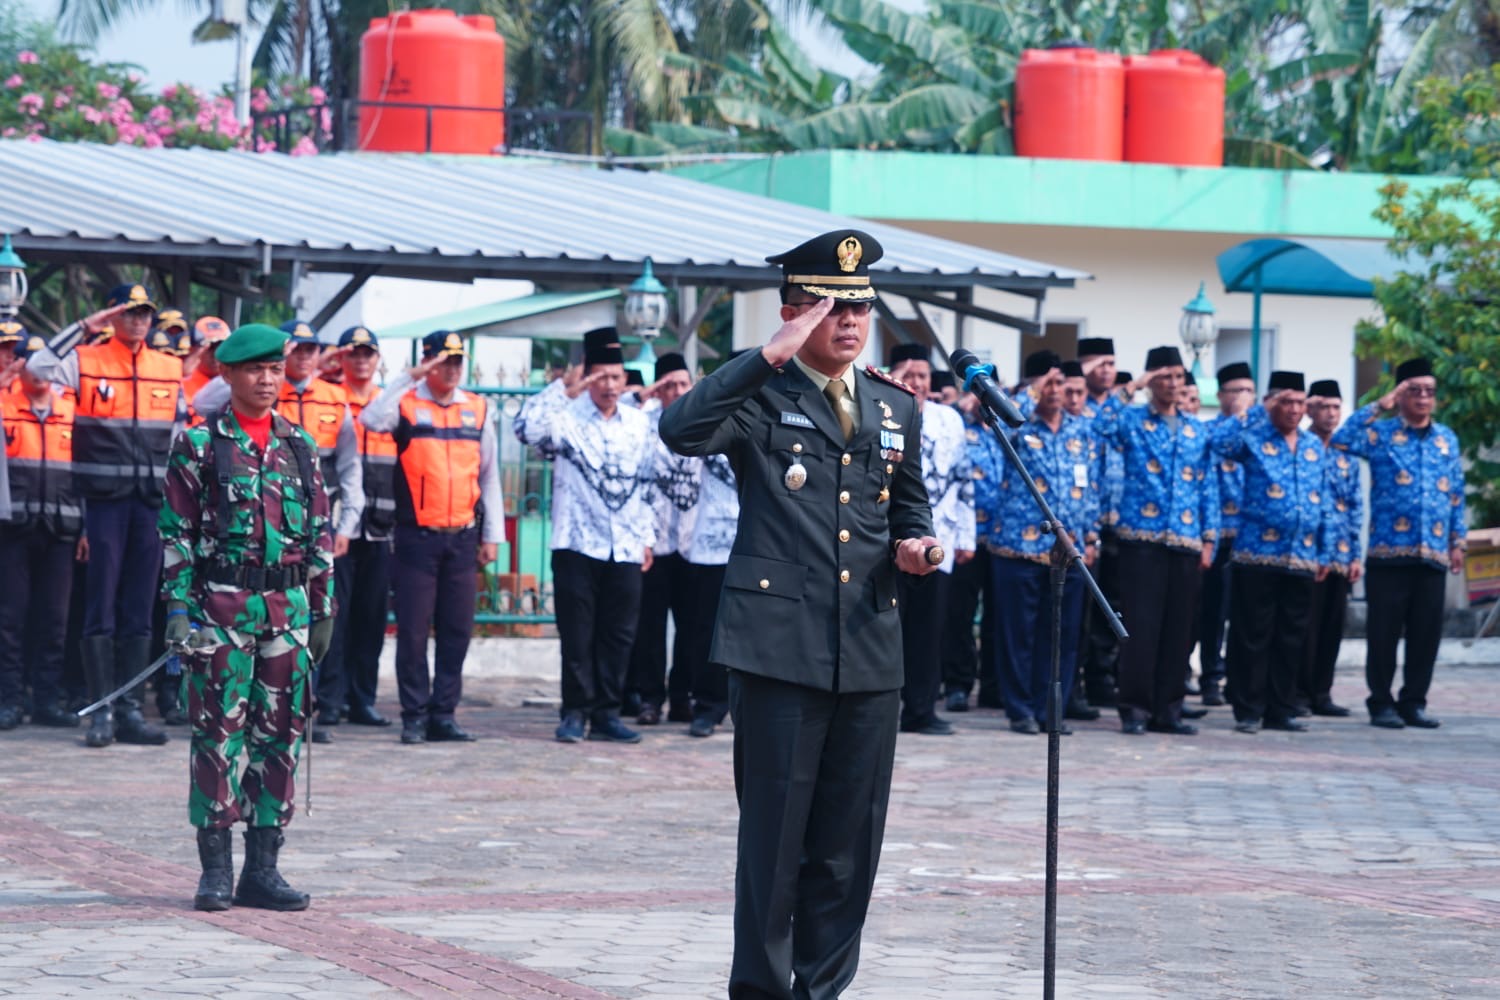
378,450
40,457
126,407
439,483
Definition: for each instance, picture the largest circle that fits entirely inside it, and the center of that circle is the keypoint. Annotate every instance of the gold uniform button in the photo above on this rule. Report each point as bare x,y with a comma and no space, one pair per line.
844,535
893,602
765,584
797,448
845,459
844,497
844,576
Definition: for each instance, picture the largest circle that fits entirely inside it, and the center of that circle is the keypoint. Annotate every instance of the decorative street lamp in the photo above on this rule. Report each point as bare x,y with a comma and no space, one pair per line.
13,286
1197,327
646,311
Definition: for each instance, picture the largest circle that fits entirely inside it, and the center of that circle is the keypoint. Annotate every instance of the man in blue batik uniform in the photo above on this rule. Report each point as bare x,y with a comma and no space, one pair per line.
1236,395
1280,549
1416,531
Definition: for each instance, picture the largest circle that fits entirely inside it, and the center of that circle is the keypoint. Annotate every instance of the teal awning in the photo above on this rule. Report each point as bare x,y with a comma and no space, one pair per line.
1337,268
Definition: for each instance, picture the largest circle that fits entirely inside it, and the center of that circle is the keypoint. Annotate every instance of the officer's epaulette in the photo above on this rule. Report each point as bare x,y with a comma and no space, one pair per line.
874,372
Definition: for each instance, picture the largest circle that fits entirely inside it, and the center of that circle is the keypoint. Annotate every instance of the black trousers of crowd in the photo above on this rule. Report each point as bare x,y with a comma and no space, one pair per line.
350,673
1325,633
812,771
435,587
1157,587
598,608
709,681
1099,653
1267,628
1214,617
38,568
1402,600
969,593
923,602
1023,633
665,587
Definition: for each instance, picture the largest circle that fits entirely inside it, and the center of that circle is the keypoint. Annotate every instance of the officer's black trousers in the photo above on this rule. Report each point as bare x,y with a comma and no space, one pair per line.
812,771
709,680
434,573
350,672
1402,599
1157,585
664,589
1267,626
598,608
1099,655
924,601
1215,614
1325,633
38,570
969,592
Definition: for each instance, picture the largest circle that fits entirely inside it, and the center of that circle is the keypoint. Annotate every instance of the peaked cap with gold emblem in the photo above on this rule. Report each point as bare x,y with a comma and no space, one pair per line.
359,336
135,296
11,331
445,343
836,264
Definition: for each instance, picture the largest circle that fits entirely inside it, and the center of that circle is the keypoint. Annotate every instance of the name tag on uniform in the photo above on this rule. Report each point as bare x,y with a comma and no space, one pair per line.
796,420
424,418
1080,475
892,441
468,419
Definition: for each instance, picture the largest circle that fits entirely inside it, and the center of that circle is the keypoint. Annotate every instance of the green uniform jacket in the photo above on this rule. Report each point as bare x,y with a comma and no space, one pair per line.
810,588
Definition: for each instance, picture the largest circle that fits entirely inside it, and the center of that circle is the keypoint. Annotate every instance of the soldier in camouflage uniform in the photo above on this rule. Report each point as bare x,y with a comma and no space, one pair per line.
249,561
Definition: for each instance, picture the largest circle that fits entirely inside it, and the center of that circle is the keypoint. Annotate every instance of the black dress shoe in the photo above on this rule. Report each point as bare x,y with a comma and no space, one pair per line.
1386,718
1081,711
649,715
1248,726
929,727
1418,719
1300,710
1327,707
447,731
613,731
1193,713
680,711
570,729
702,727
51,715
413,732
326,719
1027,727
1172,728
1291,724
956,701
1213,696
321,735
1132,727
367,716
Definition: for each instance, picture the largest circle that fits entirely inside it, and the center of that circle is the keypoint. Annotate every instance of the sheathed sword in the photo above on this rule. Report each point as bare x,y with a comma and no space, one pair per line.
137,679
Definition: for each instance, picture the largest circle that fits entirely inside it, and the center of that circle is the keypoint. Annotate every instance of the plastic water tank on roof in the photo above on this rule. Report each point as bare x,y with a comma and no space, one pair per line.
1174,109
440,61
1070,104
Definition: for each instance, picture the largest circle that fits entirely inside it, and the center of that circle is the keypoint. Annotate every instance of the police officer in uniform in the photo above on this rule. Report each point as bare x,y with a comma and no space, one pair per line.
249,561
832,508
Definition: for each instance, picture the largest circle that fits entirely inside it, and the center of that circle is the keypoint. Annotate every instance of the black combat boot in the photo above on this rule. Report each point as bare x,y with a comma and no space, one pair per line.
216,855
98,652
131,657
261,885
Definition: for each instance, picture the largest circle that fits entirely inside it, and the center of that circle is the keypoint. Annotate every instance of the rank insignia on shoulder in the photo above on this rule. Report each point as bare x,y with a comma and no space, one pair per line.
876,373
796,420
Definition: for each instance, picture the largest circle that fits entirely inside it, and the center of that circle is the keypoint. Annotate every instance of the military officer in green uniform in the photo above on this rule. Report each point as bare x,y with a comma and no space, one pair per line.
248,581
832,508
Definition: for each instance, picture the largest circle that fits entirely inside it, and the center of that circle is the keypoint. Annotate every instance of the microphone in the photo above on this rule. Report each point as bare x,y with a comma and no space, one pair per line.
980,380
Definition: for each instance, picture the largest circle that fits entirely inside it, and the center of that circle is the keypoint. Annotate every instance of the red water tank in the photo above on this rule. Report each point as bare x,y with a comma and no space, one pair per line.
441,61
1070,104
1174,109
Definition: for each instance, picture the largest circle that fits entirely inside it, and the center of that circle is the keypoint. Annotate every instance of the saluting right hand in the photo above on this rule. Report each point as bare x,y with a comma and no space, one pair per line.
94,322
579,385
418,372
794,333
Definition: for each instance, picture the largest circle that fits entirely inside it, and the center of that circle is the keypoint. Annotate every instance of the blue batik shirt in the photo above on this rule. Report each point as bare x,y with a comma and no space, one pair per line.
1416,486
1284,521
978,439
1112,478
1063,463
1170,494
1231,486
1341,473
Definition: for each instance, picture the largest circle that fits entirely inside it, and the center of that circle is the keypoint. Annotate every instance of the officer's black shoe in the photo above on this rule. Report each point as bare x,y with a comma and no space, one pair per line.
1172,728
1247,726
956,701
413,731
1386,718
361,715
570,729
132,727
1290,724
649,715
932,726
216,855
98,653
1418,718
261,885
1211,693
320,735
1327,707
1301,709
680,711
1027,727
703,726
52,715
1081,711
447,731
613,731
10,716
1193,713
1132,727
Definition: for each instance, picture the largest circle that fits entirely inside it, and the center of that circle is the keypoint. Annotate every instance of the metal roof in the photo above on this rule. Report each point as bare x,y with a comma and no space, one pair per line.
430,216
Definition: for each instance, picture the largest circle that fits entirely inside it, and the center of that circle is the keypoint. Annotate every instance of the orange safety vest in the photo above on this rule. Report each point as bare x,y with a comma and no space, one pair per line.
126,407
319,409
190,386
40,456
378,451
439,447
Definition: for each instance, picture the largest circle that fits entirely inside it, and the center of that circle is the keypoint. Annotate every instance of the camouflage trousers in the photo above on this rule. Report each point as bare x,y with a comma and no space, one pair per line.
249,694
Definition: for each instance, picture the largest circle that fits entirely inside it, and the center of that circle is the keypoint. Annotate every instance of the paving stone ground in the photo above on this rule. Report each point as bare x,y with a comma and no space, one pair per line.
1344,862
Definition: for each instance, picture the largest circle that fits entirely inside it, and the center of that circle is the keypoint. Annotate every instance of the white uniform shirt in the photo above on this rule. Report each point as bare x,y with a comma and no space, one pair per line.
713,521
948,474
604,475
676,494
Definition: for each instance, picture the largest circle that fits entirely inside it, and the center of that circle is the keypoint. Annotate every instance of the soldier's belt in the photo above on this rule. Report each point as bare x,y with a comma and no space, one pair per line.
259,578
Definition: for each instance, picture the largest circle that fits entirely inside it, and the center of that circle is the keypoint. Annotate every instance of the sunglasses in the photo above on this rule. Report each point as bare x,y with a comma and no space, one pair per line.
852,308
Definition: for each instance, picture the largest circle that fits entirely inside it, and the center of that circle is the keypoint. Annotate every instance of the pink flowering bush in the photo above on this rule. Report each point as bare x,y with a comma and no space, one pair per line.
57,93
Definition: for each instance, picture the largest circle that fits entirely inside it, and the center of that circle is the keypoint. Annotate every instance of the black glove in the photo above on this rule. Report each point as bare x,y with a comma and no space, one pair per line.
319,638
179,627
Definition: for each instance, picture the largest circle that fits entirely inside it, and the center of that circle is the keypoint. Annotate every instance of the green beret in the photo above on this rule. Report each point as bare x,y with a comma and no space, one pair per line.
252,342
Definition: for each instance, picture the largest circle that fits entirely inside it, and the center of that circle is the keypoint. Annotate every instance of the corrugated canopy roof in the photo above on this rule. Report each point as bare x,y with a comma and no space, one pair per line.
439,217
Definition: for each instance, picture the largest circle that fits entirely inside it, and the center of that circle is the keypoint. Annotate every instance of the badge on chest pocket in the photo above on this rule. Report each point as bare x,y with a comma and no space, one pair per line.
1080,475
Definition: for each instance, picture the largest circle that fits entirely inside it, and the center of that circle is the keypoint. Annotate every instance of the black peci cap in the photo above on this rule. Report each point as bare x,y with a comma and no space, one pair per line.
1415,368
1234,370
1163,357
1072,369
1123,378
600,336
1040,363
633,376
943,379
1286,380
909,352
1089,347
1326,387
669,363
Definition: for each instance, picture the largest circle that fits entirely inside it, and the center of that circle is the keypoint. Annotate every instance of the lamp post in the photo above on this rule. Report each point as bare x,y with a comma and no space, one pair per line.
13,285
646,311
1197,327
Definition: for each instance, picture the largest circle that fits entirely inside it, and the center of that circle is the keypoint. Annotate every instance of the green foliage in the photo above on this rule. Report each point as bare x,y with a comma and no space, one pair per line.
1444,305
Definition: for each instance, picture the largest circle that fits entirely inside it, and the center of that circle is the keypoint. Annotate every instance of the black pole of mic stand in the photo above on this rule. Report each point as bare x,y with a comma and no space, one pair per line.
1062,556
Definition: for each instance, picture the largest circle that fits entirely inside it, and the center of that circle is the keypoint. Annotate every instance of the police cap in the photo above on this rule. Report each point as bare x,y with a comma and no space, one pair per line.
359,336
835,264
252,342
299,332
210,330
171,319
28,344
135,296
443,343
11,332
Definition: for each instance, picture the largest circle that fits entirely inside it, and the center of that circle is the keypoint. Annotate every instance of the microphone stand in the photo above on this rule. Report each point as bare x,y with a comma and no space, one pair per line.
1062,556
